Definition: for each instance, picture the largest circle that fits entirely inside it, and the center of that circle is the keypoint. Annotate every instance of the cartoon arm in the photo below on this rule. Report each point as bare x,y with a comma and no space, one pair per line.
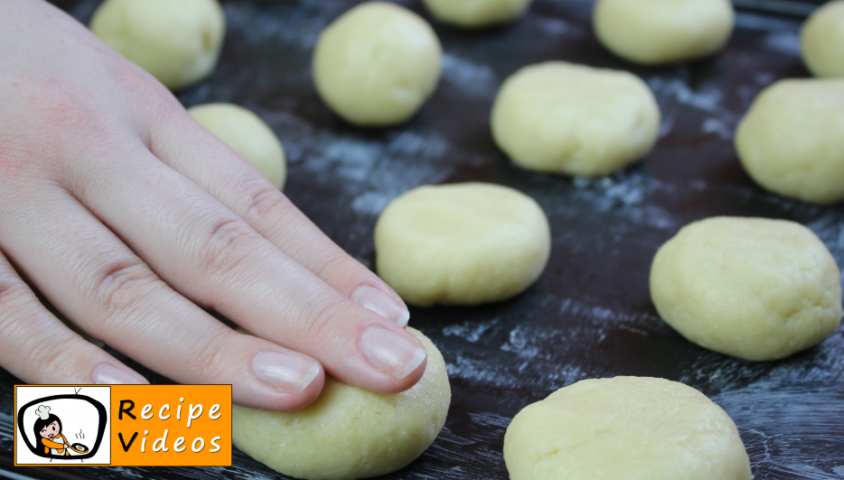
66,444
51,444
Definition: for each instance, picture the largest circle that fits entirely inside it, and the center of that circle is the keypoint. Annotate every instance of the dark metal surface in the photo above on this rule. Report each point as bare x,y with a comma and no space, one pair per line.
590,313
783,7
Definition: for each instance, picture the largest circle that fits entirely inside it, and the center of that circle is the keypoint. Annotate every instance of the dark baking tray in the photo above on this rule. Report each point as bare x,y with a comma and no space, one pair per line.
590,313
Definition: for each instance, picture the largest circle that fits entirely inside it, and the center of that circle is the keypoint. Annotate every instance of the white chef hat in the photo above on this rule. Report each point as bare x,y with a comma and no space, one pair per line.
43,412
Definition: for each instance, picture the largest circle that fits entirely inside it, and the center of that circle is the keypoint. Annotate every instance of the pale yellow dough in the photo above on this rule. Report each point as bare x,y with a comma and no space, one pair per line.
663,31
248,135
630,428
822,41
177,41
461,244
791,142
377,64
573,119
752,288
476,13
348,432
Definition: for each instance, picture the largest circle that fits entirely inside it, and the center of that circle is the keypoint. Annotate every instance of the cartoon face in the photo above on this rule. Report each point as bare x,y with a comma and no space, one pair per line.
51,430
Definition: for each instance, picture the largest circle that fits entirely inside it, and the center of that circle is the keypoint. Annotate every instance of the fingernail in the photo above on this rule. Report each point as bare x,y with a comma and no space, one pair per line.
379,302
390,352
107,374
290,373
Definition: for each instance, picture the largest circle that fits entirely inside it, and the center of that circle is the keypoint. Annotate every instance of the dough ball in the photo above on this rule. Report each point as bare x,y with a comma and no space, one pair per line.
476,13
348,432
461,244
248,135
576,120
377,64
630,428
822,41
178,42
663,31
752,288
791,142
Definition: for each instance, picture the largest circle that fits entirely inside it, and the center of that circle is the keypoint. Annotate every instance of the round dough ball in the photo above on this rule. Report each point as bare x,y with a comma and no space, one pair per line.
377,64
654,32
752,288
248,135
348,432
630,428
576,120
822,41
791,142
461,244
178,42
476,13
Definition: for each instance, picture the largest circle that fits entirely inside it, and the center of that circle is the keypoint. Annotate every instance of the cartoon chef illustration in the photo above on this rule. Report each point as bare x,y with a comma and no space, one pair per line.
48,428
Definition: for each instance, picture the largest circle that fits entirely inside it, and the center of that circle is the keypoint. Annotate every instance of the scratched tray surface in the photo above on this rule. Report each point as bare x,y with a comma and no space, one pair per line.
590,313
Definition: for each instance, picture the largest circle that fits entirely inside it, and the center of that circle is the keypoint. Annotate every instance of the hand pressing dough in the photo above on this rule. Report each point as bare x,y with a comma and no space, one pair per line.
576,120
178,42
349,433
377,64
822,41
752,288
791,142
476,13
663,31
246,134
461,244
630,428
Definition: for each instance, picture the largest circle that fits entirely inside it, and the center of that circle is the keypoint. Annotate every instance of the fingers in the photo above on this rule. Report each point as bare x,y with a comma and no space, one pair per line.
188,148
101,285
215,259
38,348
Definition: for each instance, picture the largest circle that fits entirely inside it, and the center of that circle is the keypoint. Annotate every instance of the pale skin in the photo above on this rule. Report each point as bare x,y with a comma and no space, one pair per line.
131,219
51,430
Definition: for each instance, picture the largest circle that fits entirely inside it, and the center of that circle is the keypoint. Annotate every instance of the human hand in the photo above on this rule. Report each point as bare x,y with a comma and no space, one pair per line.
130,218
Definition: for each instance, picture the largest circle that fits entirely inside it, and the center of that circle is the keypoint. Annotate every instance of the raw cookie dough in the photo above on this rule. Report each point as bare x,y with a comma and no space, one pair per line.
248,135
377,64
630,428
752,288
476,13
791,142
573,119
822,41
663,31
348,432
178,42
461,244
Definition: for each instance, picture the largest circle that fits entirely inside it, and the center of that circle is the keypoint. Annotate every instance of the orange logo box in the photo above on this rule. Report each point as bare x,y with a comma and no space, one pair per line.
171,425
123,425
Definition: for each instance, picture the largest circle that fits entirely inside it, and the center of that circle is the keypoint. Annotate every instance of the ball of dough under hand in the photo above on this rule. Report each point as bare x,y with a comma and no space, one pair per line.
630,428
248,135
822,41
791,142
348,432
572,119
461,244
663,31
377,64
476,13
178,42
752,288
